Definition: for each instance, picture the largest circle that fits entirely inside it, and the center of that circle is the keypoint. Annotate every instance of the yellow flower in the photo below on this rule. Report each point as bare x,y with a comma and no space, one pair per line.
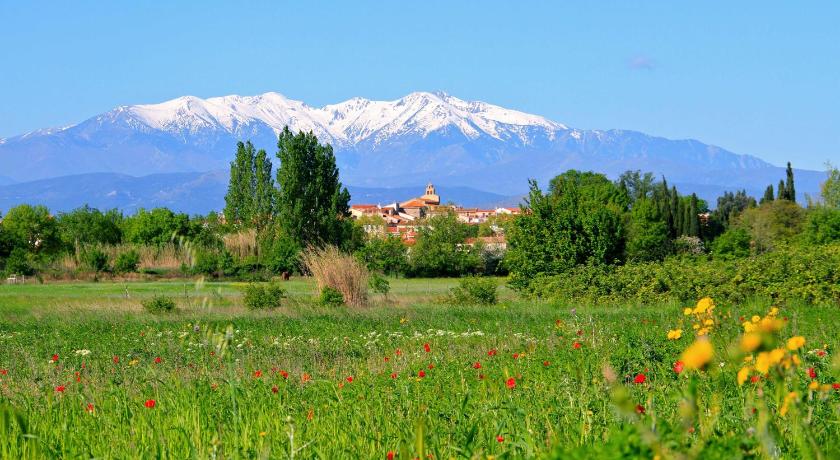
743,375
776,355
796,359
756,318
674,334
814,385
703,305
687,311
749,327
698,354
762,363
750,341
748,358
709,322
702,332
771,324
773,311
696,326
790,398
795,343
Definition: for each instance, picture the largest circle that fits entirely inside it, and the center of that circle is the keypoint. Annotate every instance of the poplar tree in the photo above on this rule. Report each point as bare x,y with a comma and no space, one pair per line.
790,189
239,197
264,191
312,205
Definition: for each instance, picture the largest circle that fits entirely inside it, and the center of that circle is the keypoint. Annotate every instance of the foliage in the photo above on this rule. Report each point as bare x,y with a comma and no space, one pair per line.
280,253
32,228
379,284
250,199
440,250
127,262
565,228
88,225
772,223
786,275
823,225
689,245
734,242
20,262
331,297
830,189
262,297
95,259
312,204
647,235
387,254
155,227
339,271
159,304
475,290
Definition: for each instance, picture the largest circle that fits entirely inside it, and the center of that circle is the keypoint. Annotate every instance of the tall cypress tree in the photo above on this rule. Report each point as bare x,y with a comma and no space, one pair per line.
686,218
675,212
768,194
781,193
790,189
312,205
694,218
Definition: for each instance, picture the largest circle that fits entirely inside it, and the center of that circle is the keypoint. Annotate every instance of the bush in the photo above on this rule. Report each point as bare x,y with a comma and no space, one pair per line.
341,272
331,297
127,262
261,297
96,260
734,242
206,263
379,284
20,262
823,225
475,290
159,304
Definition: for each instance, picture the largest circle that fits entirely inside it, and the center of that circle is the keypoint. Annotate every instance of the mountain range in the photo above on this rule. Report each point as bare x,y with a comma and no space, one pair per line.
407,142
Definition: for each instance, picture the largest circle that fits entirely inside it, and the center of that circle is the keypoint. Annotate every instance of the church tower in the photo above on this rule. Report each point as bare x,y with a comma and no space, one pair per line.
431,196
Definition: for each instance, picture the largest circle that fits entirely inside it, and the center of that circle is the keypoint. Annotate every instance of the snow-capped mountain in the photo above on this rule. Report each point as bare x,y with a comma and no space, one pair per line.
409,141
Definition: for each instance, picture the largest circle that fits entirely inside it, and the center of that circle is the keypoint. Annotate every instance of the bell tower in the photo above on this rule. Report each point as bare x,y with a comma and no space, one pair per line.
431,196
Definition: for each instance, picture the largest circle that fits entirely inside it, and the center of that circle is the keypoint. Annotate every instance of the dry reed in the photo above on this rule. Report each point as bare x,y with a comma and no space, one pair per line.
332,268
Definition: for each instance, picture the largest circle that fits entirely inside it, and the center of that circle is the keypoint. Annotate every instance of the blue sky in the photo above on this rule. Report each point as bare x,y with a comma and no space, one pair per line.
761,78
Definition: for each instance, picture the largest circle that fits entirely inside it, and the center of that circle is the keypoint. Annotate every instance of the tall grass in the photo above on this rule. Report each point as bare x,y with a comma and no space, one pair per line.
332,268
242,244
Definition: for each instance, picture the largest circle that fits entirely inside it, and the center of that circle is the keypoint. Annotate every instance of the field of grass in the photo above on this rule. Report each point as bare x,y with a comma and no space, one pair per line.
85,372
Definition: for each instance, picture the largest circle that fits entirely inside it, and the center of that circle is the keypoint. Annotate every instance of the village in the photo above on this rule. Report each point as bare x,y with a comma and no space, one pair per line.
403,219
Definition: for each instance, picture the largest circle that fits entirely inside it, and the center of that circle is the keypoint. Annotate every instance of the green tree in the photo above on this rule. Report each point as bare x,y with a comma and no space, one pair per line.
440,250
33,229
781,191
768,194
312,205
694,217
734,242
647,235
264,191
88,225
830,189
239,201
387,254
773,223
790,189
155,227
823,225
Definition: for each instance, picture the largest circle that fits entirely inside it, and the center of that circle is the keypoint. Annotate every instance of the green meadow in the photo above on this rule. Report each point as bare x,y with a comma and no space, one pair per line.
87,373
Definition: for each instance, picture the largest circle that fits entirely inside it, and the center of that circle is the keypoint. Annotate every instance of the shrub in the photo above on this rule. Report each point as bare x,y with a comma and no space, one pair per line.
823,225
734,242
20,262
379,284
206,263
339,271
261,297
96,260
330,297
475,290
127,262
159,304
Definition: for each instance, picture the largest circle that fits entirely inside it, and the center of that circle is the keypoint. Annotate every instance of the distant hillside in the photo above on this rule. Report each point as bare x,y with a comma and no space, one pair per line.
191,193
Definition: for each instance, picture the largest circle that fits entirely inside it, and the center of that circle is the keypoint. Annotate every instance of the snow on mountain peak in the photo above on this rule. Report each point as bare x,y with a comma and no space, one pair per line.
347,123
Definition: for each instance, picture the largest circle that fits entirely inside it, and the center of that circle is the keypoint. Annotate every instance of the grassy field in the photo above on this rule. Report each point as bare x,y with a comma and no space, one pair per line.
409,377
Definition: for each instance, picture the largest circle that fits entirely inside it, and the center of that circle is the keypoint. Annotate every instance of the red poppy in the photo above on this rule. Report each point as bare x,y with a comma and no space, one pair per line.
477,365
390,455
387,358
398,352
150,403
4,372
679,366
820,353
284,374
340,385
640,378
305,377
59,389
421,374
257,374
511,383
491,352
431,366
393,375
89,408
480,376
546,363
54,358
576,345
427,347
274,389
157,360
836,386
349,379
812,373
754,379
500,438
116,359
640,409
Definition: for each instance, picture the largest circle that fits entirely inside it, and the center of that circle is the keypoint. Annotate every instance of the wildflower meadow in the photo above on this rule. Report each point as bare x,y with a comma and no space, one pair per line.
412,376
